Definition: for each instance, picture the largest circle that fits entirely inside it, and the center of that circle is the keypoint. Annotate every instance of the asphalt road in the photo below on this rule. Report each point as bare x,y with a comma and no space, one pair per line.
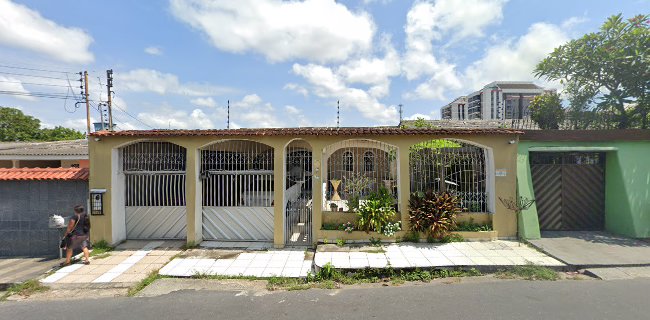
625,299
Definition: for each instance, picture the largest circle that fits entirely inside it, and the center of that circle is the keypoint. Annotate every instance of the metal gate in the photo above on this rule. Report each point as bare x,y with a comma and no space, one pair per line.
237,191
154,174
569,190
298,194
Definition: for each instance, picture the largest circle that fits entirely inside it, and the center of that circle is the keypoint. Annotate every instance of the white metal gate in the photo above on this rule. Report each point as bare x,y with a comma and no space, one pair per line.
298,194
237,191
154,174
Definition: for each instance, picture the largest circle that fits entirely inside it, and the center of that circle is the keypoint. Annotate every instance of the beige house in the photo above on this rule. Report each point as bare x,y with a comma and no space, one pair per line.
282,184
55,154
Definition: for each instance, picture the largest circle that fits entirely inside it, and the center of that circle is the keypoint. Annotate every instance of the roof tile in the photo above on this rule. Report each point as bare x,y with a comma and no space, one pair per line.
65,174
329,131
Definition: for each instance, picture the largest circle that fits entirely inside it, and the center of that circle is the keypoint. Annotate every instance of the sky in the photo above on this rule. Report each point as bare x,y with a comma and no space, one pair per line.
177,63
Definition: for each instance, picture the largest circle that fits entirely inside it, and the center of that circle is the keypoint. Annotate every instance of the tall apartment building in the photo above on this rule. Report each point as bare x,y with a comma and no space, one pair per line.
456,110
498,100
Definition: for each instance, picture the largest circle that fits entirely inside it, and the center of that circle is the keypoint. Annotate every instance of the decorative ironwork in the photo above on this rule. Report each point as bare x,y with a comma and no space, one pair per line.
298,194
450,166
237,173
153,156
347,162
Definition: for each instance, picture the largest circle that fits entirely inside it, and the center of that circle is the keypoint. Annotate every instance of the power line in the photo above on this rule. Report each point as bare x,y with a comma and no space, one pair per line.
130,115
34,69
35,94
35,84
30,75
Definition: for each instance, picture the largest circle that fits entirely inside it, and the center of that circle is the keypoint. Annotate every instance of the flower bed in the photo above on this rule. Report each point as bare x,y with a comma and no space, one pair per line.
332,235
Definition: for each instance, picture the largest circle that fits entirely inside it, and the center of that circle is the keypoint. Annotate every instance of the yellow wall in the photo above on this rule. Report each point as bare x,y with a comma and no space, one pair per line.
100,155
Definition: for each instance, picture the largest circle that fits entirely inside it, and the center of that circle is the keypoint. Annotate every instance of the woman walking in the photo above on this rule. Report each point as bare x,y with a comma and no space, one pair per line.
78,230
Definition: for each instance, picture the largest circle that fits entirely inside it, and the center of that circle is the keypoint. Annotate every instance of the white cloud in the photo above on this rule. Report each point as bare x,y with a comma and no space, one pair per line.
168,117
204,102
253,112
15,85
148,80
515,59
297,88
297,116
154,51
327,84
417,116
25,28
313,30
460,19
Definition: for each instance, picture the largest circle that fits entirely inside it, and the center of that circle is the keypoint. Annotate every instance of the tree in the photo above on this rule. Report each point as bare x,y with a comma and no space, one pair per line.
610,67
546,110
16,126
59,133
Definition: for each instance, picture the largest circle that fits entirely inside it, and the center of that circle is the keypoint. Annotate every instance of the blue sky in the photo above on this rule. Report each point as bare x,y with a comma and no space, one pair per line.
280,63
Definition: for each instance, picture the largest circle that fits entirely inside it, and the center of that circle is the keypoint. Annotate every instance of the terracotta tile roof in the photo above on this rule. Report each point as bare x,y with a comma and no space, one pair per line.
318,131
53,149
13,174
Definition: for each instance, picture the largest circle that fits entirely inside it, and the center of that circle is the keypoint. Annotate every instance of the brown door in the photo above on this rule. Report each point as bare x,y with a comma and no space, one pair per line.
569,190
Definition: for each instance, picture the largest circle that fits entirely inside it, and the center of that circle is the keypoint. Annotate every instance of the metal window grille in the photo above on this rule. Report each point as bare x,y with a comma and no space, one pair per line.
298,193
450,166
350,161
369,161
154,174
237,173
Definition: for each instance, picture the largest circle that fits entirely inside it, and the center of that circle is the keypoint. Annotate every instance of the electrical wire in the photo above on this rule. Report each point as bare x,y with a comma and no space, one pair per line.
130,115
35,84
35,69
31,75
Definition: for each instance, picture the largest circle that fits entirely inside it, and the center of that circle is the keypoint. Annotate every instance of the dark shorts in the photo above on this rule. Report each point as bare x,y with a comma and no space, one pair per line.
79,242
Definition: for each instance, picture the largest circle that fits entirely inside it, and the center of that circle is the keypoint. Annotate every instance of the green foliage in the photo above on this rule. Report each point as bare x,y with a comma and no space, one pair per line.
373,216
376,242
25,289
16,126
434,213
529,272
472,227
355,187
100,248
412,236
189,245
546,110
610,68
340,242
59,133
153,276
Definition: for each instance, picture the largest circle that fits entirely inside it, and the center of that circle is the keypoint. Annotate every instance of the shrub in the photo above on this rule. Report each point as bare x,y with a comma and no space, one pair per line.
355,186
412,236
391,228
373,216
434,213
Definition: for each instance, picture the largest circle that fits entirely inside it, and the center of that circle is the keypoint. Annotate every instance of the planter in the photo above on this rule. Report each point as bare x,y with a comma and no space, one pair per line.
361,236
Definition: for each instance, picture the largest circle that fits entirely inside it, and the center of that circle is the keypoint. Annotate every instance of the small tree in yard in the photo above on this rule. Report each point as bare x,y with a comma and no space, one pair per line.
546,110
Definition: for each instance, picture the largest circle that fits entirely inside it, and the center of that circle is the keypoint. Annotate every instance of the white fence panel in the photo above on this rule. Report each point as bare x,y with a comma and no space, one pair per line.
156,222
238,223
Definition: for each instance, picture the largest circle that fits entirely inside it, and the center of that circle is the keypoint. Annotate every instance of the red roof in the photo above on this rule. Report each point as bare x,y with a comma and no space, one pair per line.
65,174
319,131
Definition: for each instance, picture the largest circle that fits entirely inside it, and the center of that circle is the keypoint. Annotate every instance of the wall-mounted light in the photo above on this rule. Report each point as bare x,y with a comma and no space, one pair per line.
97,201
97,139
513,141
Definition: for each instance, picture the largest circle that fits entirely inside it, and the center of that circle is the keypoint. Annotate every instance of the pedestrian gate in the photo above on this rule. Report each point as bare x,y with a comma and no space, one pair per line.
569,190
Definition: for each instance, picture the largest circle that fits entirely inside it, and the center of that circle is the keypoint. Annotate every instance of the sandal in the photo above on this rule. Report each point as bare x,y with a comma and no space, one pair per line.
63,264
86,262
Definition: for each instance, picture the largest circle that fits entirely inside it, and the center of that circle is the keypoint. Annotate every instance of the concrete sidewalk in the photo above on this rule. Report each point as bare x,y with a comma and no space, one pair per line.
480,255
125,266
19,269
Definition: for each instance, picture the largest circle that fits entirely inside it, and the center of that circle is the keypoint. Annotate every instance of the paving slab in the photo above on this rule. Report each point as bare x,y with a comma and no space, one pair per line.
619,273
487,255
19,269
582,249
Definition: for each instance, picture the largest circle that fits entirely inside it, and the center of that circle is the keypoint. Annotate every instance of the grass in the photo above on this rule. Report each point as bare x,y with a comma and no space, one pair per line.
528,272
153,276
412,237
101,249
25,289
189,245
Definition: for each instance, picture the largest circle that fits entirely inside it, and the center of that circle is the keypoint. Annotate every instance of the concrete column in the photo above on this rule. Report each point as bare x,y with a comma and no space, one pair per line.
278,195
193,196
404,188
317,189
15,163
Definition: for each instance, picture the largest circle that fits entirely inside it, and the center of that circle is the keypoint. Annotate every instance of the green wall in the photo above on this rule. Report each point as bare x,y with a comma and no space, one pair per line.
627,186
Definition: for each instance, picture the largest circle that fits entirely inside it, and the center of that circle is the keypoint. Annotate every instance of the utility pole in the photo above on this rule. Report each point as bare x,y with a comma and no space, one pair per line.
87,102
109,86
400,114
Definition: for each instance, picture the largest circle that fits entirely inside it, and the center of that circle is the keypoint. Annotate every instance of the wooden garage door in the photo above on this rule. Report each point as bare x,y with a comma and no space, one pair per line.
569,190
